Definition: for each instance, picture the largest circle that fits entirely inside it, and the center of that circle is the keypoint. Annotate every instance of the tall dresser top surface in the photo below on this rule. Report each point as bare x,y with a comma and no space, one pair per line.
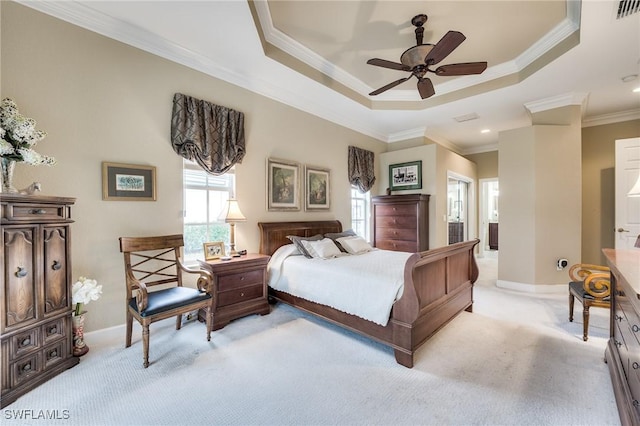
401,198
626,265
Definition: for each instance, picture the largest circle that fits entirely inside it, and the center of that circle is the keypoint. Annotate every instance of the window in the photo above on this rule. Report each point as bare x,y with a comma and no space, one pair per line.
204,198
360,212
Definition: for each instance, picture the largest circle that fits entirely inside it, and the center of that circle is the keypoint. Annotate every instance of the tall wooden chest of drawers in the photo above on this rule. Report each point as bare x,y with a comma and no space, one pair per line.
623,350
35,314
240,288
401,222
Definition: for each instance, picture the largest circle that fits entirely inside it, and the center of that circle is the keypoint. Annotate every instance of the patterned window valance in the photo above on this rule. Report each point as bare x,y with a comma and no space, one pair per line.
361,168
209,134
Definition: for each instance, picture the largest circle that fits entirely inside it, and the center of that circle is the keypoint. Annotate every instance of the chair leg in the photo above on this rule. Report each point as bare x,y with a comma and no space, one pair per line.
209,322
178,322
129,329
571,302
145,344
585,319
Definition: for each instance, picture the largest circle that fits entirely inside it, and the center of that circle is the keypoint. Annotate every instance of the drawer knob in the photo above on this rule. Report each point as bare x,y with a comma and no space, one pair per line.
21,272
636,403
53,354
618,344
618,317
241,294
53,330
25,342
56,265
635,328
37,211
26,368
636,365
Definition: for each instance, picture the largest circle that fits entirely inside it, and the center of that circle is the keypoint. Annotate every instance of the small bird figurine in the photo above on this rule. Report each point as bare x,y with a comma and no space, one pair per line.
31,189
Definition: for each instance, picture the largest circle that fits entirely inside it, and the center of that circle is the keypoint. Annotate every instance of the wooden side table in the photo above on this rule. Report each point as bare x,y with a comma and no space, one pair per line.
239,288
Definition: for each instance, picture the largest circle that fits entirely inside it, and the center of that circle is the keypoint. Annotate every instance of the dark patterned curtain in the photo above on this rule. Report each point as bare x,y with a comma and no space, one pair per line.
209,134
361,168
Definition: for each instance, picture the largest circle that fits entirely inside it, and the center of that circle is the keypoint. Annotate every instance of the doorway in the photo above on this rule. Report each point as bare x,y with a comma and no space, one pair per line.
489,217
627,211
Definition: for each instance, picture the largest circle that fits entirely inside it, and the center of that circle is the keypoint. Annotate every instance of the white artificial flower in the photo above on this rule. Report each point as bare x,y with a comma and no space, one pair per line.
6,147
85,290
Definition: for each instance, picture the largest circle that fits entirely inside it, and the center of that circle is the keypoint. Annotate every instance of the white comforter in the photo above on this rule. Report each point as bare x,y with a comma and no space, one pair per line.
365,285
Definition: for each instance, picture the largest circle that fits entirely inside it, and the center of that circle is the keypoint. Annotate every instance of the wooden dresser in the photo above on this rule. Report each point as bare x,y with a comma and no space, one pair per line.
35,313
401,222
623,350
240,288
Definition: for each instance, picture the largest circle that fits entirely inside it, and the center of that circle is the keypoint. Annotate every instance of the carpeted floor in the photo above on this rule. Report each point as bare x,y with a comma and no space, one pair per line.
515,360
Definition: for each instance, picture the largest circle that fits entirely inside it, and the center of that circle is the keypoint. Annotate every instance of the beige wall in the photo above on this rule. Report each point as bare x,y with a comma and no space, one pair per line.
598,186
486,163
540,209
436,163
100,100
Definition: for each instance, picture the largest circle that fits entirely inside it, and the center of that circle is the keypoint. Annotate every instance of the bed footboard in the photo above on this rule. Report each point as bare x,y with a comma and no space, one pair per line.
438,286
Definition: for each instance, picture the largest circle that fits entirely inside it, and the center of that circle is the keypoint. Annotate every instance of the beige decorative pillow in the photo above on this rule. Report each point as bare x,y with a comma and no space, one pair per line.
354,245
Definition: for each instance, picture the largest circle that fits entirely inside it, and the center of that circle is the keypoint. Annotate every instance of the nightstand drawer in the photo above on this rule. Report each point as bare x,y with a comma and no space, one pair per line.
239,295
240,279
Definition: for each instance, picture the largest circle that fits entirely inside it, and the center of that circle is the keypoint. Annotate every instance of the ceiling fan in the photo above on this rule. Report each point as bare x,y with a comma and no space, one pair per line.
420,58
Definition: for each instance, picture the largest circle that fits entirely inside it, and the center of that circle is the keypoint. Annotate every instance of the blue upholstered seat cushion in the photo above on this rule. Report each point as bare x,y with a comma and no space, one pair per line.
170,298
578,287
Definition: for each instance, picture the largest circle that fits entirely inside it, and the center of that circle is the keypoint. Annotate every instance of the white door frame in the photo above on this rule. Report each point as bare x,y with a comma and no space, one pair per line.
627,209
472,231
483,227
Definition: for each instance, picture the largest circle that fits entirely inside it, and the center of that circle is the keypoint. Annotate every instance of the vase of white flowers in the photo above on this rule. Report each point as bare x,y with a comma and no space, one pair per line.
83,291
18,136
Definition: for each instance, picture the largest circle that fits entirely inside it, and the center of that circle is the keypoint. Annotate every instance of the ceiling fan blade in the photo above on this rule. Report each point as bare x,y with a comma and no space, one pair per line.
462,69
389,86
388,64
425,87
444,47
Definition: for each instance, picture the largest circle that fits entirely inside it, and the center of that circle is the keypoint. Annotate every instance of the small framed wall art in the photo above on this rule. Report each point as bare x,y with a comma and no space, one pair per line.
213,250
405,176
128,182
283,185
317,188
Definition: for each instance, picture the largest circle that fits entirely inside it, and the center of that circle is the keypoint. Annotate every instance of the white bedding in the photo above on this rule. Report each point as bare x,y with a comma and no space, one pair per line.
365,284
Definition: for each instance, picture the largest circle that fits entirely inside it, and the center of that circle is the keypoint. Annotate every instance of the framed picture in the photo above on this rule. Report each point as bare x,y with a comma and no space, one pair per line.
128,182
214,250
283,185
317,195
405,176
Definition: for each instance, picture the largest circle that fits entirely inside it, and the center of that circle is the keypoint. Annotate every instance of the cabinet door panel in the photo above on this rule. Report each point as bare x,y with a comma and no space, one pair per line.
20,277
55,269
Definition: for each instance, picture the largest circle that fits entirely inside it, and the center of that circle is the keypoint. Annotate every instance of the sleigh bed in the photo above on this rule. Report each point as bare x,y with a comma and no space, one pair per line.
438,284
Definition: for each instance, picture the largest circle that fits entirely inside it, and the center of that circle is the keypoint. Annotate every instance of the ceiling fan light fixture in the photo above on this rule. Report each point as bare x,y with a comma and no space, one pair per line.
415,55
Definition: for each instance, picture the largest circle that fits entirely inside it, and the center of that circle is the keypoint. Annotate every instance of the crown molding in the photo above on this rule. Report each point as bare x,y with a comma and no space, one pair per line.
559,101
617,117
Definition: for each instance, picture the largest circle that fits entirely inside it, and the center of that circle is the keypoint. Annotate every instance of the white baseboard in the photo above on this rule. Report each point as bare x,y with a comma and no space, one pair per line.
532,288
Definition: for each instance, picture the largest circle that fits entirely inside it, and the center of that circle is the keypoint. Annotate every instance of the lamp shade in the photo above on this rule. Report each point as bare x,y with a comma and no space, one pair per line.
231,212
635,190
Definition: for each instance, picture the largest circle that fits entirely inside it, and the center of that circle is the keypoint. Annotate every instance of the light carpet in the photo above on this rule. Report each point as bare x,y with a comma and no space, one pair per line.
515,360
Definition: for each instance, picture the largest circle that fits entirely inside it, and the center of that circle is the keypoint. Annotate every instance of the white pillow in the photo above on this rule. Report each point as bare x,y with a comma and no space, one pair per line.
354,245
323,249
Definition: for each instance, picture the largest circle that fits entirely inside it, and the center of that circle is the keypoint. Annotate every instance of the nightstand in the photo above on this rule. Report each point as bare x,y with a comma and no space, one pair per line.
239,288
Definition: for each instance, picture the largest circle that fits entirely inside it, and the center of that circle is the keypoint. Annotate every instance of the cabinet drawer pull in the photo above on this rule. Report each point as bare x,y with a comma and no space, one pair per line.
37,211
618,317
241,294
25,342
56,265
53,354
26,368
635,403
635,365
52,330
635,328
618,344
21,272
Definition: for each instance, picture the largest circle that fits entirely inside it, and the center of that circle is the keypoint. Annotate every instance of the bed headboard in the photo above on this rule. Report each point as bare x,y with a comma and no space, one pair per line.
273,235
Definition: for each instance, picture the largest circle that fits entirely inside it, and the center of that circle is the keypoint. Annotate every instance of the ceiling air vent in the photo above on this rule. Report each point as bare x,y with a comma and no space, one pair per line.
628,7
468,117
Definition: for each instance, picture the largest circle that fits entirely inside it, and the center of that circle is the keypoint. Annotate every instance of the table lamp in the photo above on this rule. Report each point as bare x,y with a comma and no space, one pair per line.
231,214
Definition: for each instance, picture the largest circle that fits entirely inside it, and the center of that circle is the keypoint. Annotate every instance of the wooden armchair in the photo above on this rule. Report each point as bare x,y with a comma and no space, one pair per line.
591,285
155,261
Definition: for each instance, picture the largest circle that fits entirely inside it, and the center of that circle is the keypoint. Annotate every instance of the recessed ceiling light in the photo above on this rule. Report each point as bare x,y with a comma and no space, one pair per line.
485,130
628,78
